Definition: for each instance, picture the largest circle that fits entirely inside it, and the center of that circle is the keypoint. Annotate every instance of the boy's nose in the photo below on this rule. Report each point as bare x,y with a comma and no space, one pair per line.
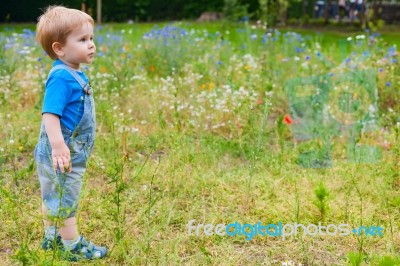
91,44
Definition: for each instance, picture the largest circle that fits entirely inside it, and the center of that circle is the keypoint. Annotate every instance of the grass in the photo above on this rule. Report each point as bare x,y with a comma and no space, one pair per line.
194,130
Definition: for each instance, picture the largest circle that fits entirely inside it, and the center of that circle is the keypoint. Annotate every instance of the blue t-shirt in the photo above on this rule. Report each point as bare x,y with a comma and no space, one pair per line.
63,96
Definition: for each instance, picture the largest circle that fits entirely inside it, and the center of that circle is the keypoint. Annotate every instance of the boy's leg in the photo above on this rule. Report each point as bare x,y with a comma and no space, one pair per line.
52,238
44,213
69,234
61,193
65,232
68,228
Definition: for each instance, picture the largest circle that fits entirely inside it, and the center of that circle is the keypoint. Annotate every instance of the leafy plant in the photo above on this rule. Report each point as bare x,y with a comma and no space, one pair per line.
322,195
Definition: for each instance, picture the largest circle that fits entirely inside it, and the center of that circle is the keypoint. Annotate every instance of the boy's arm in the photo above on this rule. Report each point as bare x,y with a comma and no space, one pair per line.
60,151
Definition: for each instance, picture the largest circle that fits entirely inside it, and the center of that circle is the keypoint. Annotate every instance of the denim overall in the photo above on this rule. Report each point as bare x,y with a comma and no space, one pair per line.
61,191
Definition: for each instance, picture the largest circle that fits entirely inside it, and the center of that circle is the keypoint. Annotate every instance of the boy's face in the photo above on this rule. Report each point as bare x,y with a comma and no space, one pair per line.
79,47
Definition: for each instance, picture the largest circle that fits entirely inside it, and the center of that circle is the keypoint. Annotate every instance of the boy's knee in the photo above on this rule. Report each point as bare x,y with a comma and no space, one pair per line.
53,210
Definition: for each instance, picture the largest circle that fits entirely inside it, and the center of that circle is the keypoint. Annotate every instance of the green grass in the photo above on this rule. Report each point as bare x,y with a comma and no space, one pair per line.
158,163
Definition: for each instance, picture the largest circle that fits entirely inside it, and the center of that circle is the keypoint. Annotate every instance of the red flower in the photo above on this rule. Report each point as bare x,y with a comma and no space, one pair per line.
259,101
287,120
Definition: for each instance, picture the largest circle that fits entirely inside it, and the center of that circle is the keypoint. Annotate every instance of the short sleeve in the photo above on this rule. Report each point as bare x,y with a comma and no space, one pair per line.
57,94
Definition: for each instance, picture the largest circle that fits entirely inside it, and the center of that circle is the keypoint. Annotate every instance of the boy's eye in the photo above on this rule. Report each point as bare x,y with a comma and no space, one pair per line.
82,40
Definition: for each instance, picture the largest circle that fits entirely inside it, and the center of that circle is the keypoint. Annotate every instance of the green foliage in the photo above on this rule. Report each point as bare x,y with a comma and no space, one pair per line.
386,260
269,11
263,10
233,10
322,195
355,258
114,10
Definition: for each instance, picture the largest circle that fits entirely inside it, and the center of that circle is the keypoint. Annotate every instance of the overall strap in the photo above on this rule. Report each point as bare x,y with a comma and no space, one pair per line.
85,86
73,73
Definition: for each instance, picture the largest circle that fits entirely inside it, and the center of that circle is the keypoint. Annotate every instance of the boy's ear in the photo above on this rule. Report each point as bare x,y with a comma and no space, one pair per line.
58,49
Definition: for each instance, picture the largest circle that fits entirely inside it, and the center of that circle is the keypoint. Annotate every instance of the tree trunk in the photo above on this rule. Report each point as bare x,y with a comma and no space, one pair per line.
284,16
304,9
362,15
282,8
327,6
98,11
375,10
83,7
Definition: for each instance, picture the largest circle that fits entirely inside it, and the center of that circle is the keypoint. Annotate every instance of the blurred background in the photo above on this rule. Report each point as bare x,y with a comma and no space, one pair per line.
366,13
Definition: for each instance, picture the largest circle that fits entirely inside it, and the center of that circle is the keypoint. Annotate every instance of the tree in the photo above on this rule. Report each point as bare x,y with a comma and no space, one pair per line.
304,11
98,11
327,7
268,11
233,10
283,6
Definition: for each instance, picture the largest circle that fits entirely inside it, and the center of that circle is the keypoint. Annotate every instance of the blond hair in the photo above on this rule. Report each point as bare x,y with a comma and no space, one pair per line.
56,23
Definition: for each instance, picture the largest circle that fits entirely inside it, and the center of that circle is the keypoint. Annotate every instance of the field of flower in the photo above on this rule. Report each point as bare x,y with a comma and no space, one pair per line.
194,122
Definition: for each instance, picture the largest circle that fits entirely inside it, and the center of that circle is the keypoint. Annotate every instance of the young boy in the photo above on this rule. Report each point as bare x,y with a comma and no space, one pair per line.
68,129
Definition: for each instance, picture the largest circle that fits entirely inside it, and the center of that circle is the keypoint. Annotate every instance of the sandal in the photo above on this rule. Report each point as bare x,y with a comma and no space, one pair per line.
84,250
52,243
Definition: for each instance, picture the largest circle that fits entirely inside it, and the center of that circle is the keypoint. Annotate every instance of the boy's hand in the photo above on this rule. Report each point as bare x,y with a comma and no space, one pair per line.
60,151
61,157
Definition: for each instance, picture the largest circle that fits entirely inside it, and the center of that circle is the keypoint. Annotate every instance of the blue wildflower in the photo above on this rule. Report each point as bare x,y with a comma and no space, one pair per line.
307,57
264,39
388,84
7,45
392,51
100,39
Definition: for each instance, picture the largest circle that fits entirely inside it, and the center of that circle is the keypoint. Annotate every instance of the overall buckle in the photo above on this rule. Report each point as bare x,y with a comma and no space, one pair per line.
88,89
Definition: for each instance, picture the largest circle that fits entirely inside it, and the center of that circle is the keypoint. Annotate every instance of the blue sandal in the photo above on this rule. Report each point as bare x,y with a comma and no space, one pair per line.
84,250
52,243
